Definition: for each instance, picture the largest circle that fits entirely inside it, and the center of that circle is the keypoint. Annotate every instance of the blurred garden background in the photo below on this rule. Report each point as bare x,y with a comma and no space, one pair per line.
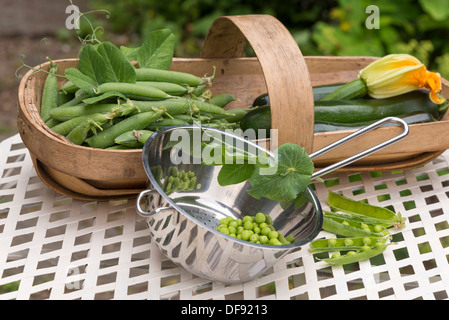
334,27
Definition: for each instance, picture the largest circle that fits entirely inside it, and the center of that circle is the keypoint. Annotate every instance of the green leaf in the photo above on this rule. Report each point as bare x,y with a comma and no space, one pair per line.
292,168
101,64
235,173
129,53
437,9
117,67
92,64
157,50
81,80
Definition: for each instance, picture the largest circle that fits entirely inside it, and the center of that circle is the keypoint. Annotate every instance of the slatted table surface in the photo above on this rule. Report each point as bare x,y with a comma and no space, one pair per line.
55,247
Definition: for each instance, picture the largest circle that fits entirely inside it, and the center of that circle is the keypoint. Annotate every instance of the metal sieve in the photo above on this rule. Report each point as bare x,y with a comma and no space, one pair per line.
183,221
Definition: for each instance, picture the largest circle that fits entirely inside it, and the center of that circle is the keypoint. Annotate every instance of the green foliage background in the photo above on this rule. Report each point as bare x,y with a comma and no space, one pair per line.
336,28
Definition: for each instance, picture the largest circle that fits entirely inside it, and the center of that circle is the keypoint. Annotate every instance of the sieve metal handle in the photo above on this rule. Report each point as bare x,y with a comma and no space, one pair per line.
362,154
142,196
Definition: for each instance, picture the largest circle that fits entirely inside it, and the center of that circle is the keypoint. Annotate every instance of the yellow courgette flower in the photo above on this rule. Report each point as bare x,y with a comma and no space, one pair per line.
396,74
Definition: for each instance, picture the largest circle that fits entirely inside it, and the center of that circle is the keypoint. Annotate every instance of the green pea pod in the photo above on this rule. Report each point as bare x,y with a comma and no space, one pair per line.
192,183
139,121
65,127
236,114
181,105
173,171
132,90
209,108
352,257
198,90
168,87
357,220
351,206
182,78
69,87
149,74
78,134
64,98
154,126
128,139
50,93
52,122
345,244
80,95
350,229
133,138
222,99
66,113
143,135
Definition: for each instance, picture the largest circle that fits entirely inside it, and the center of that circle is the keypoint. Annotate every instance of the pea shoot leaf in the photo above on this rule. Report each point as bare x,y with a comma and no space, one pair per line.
92,65
235,173
81,80
287,177
100,64
129,53
157,50
117,67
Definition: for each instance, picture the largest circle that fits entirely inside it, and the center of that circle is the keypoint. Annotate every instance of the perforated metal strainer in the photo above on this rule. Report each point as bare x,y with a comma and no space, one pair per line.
182,219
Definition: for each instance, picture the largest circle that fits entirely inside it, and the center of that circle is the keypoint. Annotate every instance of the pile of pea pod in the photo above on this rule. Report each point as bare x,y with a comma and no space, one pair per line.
176,180
362,230
130,112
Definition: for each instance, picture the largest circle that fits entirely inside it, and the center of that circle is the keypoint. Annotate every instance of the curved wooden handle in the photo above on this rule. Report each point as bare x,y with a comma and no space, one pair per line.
283,65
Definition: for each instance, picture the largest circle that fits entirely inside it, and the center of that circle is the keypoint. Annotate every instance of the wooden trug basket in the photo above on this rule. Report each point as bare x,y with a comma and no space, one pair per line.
279,68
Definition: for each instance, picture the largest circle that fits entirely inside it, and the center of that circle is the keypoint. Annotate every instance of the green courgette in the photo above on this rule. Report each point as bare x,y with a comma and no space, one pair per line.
257,118
318,93
351,90
353,111
357,110
409,118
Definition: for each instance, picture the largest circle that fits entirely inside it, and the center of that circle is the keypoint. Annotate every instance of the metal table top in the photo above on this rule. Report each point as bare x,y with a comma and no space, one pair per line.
55,247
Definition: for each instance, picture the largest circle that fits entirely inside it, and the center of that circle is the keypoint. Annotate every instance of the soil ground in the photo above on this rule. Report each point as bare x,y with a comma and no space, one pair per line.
23,24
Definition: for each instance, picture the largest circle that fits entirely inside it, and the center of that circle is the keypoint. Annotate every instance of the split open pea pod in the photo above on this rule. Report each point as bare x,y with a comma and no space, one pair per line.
356,256
359,208
352,226
345,244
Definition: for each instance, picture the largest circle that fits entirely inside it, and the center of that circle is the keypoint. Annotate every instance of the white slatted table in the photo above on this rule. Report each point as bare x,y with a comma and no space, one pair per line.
55,247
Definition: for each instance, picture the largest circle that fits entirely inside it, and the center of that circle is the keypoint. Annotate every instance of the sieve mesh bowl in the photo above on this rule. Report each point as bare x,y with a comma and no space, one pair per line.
197,206
183,221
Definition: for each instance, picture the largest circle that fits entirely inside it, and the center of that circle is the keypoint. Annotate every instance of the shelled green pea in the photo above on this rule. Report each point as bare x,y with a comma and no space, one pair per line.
258,229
